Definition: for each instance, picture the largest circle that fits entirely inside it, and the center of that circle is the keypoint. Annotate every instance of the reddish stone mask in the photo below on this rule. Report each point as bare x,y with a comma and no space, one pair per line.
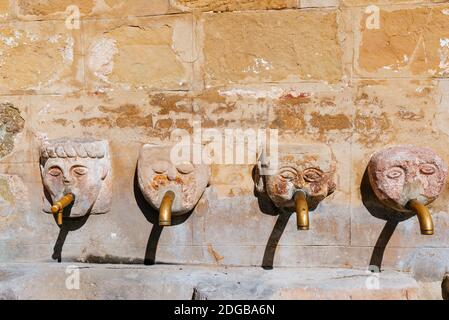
80,167
306,168
403,173
157,174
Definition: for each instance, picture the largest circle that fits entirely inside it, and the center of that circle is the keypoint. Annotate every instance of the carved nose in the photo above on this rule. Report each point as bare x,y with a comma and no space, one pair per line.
66,180
171,174
299,183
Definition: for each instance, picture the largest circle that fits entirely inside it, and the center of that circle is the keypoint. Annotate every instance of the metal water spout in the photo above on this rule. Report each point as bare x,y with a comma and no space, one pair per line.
302,210
58,206
165,211
424,216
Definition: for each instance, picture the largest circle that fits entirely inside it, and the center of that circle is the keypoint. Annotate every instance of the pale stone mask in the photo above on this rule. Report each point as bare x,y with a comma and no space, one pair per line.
402,173
157,174
81,167
307,168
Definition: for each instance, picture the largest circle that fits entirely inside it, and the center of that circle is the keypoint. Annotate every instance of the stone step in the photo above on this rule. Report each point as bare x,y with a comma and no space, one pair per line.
106,281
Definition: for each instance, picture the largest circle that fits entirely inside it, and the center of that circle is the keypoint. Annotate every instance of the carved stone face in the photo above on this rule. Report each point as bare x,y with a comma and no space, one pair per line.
402,173
157,174
307,168
80,167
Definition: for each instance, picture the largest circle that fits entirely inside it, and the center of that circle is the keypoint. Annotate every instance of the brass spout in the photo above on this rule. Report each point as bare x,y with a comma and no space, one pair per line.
165,209
424,217
58,206
302,211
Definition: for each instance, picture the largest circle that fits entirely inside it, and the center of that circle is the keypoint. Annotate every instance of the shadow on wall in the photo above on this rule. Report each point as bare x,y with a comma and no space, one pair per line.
378,210
445,287
71,224
68,225
267,207
152,216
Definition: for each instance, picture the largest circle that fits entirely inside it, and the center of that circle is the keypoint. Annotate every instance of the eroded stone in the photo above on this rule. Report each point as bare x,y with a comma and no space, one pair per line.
14,199
403,173
11,123
148,53
307,168
39,56
231,5
80,167
61,9
271,46
4,10
411,41
158,173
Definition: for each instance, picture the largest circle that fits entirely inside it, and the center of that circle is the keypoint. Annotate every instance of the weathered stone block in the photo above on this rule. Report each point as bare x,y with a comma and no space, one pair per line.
11,123
402,173
13,201
5,12
321,114
366,3
410,42
149,53
272,46
234,5
62,9
298,177
160,172
39,56
123,115
232,108
318,3
80,167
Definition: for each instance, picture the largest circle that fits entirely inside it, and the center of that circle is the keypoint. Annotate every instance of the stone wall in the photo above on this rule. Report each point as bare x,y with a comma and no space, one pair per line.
135,70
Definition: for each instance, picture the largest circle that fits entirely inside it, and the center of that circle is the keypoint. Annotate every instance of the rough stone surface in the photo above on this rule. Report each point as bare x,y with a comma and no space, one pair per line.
11,123
402,173
137,70
80,167
13,199
41,56
146,53
61,9
234,5
49,281
271,46
306,168
160,170
4,10
408,42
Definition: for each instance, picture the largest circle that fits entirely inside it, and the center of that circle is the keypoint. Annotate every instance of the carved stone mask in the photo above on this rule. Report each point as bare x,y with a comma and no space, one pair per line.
307,168
81,167
402,173
157,174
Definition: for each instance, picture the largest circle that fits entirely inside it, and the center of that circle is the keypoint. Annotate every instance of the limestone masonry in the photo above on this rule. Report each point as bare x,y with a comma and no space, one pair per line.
91,92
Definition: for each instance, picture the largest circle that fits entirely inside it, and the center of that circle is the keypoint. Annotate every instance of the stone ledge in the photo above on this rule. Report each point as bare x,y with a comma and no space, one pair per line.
48,281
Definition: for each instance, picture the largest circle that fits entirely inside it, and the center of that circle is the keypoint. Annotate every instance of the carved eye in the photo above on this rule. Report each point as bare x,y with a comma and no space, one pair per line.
160,166
395,173
288,175
427,169
55,172
185,168
80,171
312,175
